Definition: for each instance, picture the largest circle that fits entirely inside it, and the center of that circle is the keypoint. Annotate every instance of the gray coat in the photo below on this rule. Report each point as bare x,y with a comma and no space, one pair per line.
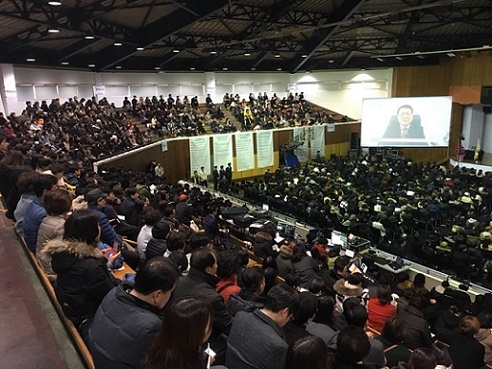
255,342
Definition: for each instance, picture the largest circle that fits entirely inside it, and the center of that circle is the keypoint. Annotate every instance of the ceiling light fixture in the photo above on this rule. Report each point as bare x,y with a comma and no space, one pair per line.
247,54
213,52
30,60
279,68
118,67
399,58
277,55
380,59
192,68
92,65
451,55
157,68
304,56
140,48
331,61
89,37
118,44
54,3
225,68
53,30
65,63
175,51
253,68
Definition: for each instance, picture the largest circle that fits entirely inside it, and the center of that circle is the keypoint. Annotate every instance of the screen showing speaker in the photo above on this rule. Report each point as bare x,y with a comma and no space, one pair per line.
406,122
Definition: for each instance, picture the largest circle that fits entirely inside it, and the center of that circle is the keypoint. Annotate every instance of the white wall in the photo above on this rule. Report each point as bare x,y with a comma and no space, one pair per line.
339,91
475,128
487,134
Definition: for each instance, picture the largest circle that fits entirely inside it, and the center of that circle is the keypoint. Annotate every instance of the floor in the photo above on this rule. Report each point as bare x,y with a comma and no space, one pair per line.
32,335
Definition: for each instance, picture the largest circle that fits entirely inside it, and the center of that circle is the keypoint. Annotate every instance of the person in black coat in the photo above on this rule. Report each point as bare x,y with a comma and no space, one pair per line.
250,297
417,332
201,281
83,278
465,351
157,245
129,318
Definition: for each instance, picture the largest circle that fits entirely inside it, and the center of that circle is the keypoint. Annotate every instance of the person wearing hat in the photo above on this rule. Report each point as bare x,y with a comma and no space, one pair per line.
183,211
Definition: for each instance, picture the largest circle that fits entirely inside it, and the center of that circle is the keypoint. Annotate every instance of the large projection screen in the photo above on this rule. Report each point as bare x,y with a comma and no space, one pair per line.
406,122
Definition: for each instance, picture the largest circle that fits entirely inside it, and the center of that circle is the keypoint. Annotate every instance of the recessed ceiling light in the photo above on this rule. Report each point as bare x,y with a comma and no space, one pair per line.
308,71
54,3
380,59
192,68
304,56
92,65
117,44
30,59
253,68
140,48
225,68
279,68
118,67
65,63
213,52
331,61
399,58
277,55
175,51
247,54
89,37
157,68
53,30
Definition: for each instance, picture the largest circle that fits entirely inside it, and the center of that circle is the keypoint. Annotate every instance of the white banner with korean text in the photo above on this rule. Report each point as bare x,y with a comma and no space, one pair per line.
199,154
264,148
222,150
245,157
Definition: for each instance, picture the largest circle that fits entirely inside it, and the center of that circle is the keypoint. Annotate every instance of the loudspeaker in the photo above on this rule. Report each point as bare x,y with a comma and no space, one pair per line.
486,95
354,141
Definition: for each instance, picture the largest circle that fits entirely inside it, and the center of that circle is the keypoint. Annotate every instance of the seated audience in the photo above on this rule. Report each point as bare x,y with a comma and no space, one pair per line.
466,352
83,279
250,297
129,317
150,217
296,328
322,324
157,245
257,339
228,267
380,309
417,333
391,337
25,184
352,346
307,352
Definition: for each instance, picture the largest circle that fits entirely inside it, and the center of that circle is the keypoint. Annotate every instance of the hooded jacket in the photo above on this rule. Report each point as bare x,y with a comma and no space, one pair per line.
83,279
263,245
344,290
284,261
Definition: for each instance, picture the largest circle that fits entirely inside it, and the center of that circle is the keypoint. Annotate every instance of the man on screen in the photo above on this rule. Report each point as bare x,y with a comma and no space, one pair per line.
403,127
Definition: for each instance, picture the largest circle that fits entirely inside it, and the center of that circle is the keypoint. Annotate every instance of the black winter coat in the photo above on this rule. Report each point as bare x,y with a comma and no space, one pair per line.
83,279
155,247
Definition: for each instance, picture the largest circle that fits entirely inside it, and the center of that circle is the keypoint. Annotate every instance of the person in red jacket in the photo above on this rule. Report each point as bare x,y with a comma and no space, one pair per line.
380,309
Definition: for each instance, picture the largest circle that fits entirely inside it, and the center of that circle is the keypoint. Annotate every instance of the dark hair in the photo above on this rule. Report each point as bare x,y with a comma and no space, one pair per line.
160,230
44,182
393,330
57,202
198,240
422,358
316,285
13,158
298,252
269,262
176,241
307,352
355,313
384,294
340,263
308,304
293,280
183,332
441,354
352,346
82,225
419,280
326,307
26,180
179,258
228,264
271,276
156,274
252,278
151,216
282,296
202,259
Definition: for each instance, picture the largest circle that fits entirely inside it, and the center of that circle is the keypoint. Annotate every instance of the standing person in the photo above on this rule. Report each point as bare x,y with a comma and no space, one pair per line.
222,173
129,317
257,339
228,173
203,176
179,344
215,174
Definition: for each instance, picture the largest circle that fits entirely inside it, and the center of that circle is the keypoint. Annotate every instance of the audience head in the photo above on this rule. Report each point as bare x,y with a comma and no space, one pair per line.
384,294
355,313
176,241
294,281
186,326
57,202
26,180
83,225
393,330
441,354
326,308
308,304
228,264
307,352
419,280
160,230
316,286
422,358
151,216
341,266
204,261
179,258
198,240
469,325
352,346
156,280
43,184
283,301
253,280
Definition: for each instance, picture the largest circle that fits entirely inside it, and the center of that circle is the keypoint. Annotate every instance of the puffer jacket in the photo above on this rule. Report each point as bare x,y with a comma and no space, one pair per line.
484,336
155,247
33,217
284,261
243,301
83,279
51,227
122,330
344,290
108,234
263,243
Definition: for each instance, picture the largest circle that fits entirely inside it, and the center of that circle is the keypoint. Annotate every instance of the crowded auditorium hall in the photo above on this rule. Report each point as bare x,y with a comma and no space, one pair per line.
246,184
